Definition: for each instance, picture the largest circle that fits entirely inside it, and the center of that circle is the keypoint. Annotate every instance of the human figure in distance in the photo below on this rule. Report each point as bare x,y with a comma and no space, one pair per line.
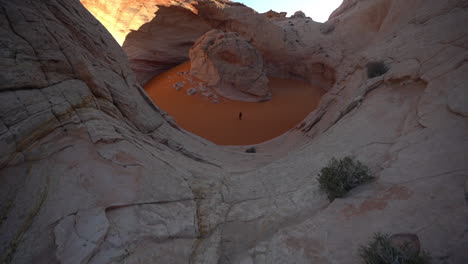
240,115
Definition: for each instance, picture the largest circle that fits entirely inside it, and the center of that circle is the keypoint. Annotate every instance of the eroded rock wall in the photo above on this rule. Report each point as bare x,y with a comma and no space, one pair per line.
121,17
67,88
282,43
164,42
58,60
230,65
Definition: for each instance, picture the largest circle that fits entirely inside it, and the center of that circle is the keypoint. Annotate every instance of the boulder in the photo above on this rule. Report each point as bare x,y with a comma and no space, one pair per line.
191,91
179,85
230,65
298,14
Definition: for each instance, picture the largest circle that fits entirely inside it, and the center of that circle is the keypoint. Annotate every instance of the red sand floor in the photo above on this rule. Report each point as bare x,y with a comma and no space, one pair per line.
219,122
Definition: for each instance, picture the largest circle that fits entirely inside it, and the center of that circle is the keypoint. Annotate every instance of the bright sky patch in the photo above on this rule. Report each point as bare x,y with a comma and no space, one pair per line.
318,10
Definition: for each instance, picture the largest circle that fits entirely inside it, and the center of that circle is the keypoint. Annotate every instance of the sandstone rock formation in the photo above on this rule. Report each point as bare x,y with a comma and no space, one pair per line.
122,17
146,29
90,172
281,44
148,48
229,64
275,15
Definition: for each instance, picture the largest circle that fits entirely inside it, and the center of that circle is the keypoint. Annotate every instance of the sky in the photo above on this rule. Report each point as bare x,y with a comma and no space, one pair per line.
318,10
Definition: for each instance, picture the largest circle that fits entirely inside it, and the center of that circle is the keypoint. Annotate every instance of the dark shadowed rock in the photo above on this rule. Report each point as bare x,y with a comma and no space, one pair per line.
406,242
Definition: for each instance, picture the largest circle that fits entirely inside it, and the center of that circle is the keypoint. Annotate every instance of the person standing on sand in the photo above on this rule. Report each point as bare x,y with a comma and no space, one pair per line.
240,115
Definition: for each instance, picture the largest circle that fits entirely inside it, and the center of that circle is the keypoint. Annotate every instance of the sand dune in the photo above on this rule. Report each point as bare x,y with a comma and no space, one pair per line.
217,119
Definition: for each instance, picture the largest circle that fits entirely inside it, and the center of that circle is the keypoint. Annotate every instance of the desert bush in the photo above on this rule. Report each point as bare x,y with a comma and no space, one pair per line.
376,68
340,176
251,150
381,251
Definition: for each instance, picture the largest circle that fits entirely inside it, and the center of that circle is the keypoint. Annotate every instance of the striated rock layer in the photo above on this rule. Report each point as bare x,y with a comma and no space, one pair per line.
121,17
164,42
229,64
90,172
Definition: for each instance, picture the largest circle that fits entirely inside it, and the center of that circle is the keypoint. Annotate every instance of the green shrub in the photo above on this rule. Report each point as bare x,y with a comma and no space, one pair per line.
251,150
381,251
376,68
340,176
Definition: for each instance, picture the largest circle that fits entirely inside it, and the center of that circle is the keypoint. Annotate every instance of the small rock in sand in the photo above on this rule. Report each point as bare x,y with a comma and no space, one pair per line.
191,91
179,85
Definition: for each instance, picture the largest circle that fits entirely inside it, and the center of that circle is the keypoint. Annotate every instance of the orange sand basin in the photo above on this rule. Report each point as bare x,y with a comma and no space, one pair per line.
219,122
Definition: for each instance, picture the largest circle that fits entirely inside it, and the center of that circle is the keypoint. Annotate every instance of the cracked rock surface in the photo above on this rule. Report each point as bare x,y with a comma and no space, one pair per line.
92,172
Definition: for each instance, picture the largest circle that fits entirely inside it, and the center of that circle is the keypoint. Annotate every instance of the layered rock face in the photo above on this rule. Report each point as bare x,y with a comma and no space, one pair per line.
148,48
52,69
90,172
282,43
145,36
229,64
121,17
